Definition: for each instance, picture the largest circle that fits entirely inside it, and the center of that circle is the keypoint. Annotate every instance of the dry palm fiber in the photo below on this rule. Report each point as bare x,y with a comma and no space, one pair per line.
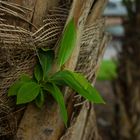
91,40
18,53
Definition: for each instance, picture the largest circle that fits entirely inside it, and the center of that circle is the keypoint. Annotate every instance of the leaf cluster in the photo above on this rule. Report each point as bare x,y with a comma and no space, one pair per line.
43,82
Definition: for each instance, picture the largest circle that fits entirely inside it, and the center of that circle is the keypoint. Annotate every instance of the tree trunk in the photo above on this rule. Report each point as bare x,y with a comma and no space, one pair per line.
127,86
32,33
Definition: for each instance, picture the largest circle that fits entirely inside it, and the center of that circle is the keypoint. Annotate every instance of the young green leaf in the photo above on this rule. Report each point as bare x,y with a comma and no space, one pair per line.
67,43
38,73
77,82
28,92
40,99
58,96
13,90
25,78
46,60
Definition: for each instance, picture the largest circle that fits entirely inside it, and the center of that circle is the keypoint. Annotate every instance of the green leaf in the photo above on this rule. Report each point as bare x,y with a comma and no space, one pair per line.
28,92
107,70
38,74
25,78
67,43
13,90
40,99
58,96
77,82
46,60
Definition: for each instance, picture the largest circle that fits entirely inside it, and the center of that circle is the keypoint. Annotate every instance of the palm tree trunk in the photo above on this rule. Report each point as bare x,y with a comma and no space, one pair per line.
127,85
46,123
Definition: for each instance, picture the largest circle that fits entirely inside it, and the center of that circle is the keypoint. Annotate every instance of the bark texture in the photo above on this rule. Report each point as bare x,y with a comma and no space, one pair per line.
127,87
91,41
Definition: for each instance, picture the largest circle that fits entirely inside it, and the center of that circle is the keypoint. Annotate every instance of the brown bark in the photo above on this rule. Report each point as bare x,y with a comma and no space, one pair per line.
46,123
127,86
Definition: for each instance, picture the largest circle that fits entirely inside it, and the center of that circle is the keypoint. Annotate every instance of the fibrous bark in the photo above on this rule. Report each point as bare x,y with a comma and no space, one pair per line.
127,85
33,33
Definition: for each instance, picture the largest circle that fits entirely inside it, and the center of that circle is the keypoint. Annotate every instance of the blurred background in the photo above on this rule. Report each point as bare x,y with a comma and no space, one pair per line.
119,76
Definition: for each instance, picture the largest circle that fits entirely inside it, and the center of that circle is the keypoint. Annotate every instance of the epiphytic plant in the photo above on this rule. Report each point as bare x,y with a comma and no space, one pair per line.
46,82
